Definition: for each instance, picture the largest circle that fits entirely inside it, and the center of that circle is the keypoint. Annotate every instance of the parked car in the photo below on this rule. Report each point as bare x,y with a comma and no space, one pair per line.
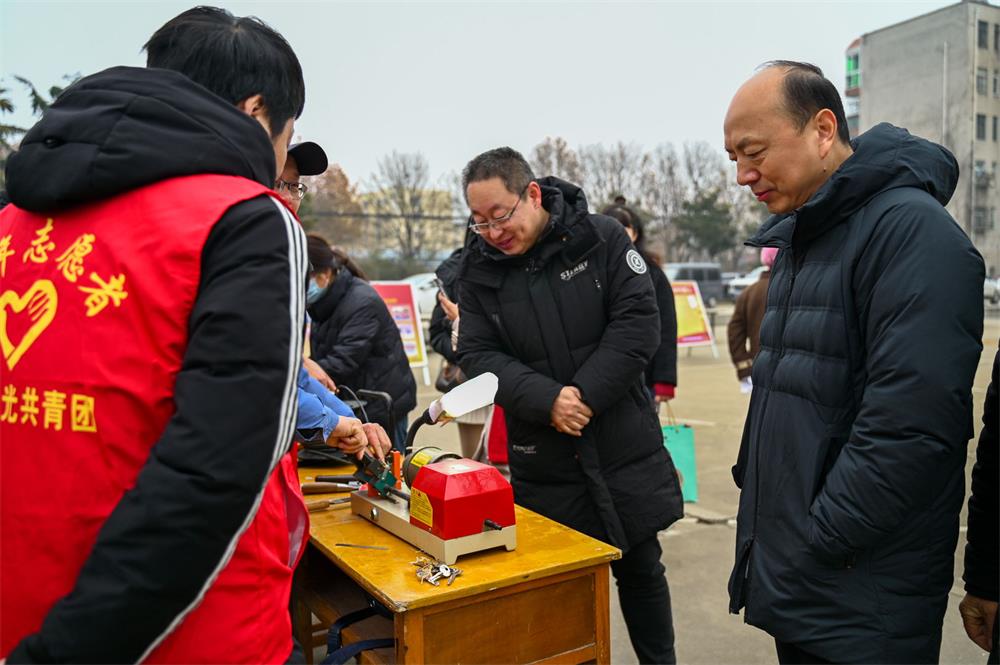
707,275
991,290
737,285
426,290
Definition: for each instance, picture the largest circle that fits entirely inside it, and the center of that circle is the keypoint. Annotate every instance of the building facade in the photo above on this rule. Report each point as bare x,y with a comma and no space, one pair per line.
938,75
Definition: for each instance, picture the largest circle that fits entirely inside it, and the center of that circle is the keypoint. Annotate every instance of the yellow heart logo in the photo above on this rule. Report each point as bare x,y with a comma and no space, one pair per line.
40,301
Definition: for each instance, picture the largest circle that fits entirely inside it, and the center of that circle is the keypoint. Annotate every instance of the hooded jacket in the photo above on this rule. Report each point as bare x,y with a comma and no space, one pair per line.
440,325
228,310
851,464
356,342
663,366
576,309
982,551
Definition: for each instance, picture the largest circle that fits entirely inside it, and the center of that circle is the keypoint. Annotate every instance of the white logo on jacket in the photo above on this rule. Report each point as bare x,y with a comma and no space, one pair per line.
567,275
635,262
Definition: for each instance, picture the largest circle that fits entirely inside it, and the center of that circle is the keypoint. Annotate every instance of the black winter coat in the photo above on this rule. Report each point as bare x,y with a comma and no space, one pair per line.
440,326
851,464
109,133
356,342
663,367
577,309
982,552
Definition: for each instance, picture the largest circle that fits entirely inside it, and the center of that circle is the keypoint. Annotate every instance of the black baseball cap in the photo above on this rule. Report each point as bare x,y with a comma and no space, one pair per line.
309,157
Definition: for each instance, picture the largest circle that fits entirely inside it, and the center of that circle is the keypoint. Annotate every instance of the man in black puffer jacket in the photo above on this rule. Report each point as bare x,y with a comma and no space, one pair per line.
557,303
851,464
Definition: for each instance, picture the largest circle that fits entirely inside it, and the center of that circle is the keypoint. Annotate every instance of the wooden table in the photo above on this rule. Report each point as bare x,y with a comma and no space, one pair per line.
545,602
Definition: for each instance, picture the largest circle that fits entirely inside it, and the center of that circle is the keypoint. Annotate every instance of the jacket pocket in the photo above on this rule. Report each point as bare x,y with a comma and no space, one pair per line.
739,578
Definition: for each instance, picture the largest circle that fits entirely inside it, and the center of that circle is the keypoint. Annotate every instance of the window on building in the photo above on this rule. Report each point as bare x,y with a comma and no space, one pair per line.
982,219
984,35
996,82
994,128
853,70
981,76
980,127
996,37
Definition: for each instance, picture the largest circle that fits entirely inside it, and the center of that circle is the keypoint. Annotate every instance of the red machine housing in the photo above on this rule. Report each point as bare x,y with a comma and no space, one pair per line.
454,498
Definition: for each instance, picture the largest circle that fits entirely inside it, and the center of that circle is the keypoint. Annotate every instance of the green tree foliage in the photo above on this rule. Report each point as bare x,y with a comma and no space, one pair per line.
10,135
706,223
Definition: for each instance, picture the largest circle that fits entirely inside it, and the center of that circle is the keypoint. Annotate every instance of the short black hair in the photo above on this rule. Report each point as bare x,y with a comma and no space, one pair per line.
505,163
807,92
234,57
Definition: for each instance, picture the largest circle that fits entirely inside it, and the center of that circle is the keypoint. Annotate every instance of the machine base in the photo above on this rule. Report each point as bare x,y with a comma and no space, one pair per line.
395,518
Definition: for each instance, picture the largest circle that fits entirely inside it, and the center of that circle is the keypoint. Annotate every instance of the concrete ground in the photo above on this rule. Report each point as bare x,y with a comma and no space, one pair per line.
698,554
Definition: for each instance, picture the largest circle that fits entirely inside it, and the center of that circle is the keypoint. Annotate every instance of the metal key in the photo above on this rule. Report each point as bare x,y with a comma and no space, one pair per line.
455,572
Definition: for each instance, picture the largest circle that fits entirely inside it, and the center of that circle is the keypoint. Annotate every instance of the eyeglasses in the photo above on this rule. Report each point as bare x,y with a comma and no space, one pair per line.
295,189
482,227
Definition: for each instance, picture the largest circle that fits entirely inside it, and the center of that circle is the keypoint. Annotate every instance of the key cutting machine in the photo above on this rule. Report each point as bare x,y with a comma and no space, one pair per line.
450,505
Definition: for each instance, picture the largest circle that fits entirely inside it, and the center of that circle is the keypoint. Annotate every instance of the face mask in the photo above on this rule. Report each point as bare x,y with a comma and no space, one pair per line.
315,292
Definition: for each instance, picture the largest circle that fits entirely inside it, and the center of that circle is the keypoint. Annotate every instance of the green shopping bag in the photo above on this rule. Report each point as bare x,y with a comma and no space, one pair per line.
679,440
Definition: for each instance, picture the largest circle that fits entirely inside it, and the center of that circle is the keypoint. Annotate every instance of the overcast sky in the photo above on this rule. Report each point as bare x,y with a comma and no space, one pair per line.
453,79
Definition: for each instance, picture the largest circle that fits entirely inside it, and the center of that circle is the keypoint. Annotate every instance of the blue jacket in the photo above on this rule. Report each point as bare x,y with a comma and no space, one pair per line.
853,454
318,407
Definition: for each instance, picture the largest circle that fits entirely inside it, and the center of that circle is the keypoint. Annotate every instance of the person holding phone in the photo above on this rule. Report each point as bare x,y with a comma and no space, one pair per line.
444,339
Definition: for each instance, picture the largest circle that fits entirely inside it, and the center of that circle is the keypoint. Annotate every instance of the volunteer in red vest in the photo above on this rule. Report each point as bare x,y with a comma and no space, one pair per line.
151,306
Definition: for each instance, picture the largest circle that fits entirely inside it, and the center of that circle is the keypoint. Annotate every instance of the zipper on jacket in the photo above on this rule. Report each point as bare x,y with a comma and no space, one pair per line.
597,283
756,455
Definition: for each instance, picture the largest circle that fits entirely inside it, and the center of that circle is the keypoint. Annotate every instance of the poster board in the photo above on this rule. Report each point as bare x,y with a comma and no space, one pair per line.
401,301
693,327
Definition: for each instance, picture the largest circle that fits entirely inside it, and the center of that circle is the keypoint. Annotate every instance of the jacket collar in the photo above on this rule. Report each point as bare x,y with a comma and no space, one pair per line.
324,308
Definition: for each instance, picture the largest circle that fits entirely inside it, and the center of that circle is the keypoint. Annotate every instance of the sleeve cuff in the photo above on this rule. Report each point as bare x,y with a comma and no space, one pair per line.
663,390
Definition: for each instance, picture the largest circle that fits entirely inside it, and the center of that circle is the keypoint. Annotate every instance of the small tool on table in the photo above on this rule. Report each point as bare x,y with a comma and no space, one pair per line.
349,479
363,547
329,488
323,504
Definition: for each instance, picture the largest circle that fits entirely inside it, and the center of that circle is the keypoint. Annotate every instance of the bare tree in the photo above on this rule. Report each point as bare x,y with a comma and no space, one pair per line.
614,171
553,156
705,168
409,217
663,192
332,208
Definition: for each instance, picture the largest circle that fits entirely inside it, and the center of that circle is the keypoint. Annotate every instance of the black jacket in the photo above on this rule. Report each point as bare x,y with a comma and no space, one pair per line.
851,465
440,326
982,552
356,342
663,367
114,131
577,309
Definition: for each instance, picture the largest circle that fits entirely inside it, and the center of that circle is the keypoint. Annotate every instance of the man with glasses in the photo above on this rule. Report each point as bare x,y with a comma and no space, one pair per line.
305,158
558,304
322,416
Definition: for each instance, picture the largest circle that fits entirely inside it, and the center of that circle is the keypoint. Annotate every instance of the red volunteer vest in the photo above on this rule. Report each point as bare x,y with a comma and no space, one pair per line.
94,308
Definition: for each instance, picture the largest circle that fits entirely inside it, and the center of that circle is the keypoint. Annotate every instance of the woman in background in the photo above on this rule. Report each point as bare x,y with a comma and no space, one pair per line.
354,338
661,373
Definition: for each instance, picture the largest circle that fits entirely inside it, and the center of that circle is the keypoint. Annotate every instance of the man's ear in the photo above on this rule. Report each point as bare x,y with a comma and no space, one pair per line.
535,193
254,107
825,123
